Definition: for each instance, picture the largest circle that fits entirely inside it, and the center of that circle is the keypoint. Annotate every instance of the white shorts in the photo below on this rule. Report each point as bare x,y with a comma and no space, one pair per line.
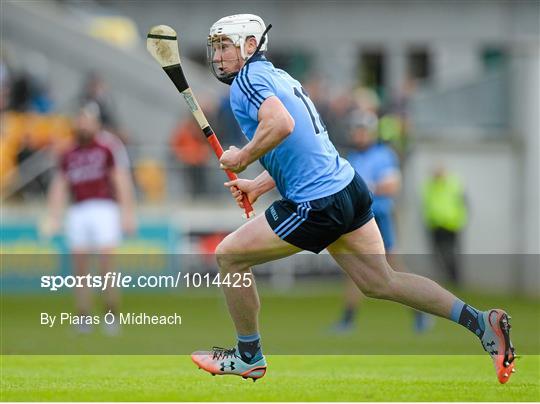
93,224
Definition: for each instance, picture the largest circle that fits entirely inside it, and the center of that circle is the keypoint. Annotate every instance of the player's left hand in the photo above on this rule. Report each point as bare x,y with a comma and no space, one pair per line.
49,226
233,160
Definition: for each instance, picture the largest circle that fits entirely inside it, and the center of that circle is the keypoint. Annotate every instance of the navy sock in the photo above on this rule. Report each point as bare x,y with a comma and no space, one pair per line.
249,347
468,317
348,315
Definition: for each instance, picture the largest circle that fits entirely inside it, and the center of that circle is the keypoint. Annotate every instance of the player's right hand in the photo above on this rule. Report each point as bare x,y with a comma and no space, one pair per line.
240,187
129,224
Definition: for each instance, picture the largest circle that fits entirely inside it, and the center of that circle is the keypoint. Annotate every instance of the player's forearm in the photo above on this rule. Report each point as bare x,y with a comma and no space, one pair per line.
125,193
127,205
56,199
126,202
264,183
275,124
269,134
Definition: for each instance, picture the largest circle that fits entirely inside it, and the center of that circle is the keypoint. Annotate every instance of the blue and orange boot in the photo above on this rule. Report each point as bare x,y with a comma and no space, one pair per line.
496,342
221,361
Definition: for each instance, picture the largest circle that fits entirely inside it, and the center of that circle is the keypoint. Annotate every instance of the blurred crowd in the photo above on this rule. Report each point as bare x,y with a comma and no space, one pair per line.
33,123
337,108
34,131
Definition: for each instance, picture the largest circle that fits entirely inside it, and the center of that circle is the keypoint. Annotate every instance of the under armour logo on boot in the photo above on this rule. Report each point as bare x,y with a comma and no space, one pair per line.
230,366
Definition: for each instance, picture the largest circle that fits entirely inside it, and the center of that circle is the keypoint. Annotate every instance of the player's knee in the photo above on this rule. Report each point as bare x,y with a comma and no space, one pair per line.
227,255
379,287
375,291
222,251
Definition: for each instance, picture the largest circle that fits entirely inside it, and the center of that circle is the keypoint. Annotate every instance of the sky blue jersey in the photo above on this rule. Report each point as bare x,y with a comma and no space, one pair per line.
306,165
374,164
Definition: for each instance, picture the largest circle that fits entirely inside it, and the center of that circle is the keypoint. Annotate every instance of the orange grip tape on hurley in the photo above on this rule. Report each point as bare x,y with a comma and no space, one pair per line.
214,142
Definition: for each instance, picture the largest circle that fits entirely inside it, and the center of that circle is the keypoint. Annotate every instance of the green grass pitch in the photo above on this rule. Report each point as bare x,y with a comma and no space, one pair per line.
292,323
290,378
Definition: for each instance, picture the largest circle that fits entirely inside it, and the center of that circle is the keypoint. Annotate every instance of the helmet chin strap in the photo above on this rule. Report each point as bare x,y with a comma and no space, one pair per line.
263,40
230,77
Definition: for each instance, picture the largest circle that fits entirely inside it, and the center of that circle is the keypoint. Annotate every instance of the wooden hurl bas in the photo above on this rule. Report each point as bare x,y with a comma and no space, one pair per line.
162,43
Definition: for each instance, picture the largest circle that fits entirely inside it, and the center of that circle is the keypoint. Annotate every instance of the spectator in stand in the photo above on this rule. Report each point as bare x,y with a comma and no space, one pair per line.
341,106
394,122
29,93
41,101
5,83
21,92
192,152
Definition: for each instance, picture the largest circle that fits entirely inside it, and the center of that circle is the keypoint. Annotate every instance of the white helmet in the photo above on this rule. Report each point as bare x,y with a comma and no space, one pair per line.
237,28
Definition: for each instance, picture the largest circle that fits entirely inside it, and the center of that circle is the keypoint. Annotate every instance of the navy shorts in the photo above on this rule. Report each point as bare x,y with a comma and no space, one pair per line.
316,224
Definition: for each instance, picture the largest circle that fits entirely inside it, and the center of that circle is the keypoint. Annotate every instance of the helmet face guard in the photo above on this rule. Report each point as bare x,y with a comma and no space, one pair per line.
217,67
233,31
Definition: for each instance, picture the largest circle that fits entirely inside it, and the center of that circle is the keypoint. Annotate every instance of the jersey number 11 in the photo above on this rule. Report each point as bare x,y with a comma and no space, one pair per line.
312,113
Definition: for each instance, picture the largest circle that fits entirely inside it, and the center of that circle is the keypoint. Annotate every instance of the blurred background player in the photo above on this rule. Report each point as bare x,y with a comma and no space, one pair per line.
95,90
445,216
94,173
378,165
